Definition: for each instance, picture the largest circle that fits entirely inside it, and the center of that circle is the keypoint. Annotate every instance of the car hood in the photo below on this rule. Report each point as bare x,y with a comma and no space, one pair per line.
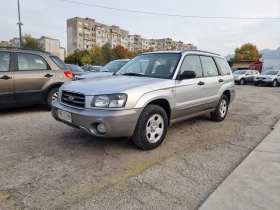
95,75
117,84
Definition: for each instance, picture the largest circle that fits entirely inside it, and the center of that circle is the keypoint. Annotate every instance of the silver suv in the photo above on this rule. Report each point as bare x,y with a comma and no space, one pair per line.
149,93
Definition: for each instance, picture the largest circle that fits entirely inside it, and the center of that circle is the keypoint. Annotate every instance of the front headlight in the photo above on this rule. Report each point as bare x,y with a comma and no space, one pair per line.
110,101
269,78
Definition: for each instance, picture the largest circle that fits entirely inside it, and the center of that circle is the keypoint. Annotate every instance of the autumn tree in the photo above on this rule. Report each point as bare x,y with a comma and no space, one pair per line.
120,52
247,51
173,47
96,55
29,42
108,53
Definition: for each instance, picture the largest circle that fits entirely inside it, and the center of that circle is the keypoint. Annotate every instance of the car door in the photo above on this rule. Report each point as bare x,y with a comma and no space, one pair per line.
213,81
32,77
7,92
249,76
190,93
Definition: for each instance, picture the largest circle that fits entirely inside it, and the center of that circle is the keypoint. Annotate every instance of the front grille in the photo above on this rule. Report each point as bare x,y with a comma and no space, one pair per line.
73,99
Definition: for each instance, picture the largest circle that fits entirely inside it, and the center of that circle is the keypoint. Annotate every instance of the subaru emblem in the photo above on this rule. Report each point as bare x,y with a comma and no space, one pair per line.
71,98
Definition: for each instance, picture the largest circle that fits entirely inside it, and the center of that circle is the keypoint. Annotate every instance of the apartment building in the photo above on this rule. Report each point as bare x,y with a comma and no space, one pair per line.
4,44
15,42
84,33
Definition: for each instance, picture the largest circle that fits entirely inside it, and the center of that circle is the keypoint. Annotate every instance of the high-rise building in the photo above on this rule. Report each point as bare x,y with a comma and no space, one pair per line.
84,33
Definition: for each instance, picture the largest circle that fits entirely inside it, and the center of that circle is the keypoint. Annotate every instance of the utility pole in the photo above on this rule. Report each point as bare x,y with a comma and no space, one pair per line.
19,25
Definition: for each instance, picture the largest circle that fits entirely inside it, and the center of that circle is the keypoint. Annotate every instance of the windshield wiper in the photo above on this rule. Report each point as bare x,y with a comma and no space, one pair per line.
133,74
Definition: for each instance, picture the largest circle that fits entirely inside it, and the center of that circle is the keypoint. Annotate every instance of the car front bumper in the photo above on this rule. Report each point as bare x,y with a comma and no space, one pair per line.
117,123
266,81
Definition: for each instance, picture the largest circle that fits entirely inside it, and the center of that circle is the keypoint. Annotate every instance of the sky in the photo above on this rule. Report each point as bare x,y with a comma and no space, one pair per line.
48,18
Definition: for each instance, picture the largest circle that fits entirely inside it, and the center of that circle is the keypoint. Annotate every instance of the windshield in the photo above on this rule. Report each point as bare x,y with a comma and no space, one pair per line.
158,65
113,66
270,73
75,68
240,72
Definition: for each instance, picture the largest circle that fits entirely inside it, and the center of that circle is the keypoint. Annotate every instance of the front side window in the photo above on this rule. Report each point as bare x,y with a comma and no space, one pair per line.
157,65
209,66
31,62
192,63
4,61
223,66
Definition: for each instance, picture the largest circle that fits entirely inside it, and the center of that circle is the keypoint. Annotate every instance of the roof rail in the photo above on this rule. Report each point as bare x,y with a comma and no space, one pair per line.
21,48
200,51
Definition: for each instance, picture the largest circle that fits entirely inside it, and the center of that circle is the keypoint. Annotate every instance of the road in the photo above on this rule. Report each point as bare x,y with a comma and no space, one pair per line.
47,165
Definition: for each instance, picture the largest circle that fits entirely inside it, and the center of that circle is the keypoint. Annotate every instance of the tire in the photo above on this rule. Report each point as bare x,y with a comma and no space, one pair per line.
242,82
256,84
274,83
51,96
145,135
221,110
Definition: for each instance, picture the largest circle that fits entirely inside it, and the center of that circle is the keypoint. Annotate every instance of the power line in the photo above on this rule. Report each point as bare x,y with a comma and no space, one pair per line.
174,15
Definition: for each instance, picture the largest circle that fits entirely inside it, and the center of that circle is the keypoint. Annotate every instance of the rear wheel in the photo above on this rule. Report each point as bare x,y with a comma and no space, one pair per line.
242,81
51,96
256,84
221,110
151,127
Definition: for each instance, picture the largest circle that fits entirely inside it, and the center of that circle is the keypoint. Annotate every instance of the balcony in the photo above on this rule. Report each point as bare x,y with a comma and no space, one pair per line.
86,27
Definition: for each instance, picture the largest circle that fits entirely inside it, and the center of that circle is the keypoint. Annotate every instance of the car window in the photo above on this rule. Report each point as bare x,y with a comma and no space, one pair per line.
75,68
209,66
138,67
113,66
4,61
223,66
27,62
58,62
192,63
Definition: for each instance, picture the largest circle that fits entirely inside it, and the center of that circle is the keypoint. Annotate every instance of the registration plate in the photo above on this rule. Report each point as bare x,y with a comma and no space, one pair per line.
63,115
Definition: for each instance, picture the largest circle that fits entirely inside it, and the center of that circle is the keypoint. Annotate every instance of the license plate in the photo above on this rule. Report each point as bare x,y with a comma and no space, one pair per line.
66,116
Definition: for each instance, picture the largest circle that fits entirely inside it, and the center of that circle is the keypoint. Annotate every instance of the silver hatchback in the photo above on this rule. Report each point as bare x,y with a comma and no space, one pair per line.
149,93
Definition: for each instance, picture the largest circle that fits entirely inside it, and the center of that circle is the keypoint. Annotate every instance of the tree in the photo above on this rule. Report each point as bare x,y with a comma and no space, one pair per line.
120,52
96,55
85,60
30,42
76,57
70,59
173,47
108,53
247,51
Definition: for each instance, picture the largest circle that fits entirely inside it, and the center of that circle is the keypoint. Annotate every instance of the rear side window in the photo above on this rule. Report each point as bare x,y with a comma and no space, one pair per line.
58,62
31,62
209,66
223,66
4,61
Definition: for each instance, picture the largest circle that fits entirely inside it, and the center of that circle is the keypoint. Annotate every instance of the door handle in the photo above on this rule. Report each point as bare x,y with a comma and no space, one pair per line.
221,80
5,77
201,83
48,75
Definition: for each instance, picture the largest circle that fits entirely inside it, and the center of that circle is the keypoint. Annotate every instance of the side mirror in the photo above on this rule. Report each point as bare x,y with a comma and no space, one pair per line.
188,75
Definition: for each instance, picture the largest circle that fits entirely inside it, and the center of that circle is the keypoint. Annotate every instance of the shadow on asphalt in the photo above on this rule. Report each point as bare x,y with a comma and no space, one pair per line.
24,109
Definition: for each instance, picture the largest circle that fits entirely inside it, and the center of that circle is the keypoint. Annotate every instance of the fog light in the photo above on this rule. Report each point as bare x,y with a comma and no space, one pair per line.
101,128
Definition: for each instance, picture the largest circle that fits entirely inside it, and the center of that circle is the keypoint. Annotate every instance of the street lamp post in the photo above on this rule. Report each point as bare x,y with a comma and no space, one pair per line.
19,25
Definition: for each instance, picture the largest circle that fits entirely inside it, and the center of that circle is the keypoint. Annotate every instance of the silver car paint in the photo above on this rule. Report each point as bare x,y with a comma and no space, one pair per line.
185,97
268,78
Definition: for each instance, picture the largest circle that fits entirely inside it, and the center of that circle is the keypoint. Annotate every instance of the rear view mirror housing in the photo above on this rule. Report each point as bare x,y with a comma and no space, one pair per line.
188,75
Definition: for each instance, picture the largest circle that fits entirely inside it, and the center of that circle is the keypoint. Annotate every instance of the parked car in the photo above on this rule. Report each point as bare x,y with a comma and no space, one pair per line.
76,70
270,77
92,68
108,70
245,76
141,103
30,77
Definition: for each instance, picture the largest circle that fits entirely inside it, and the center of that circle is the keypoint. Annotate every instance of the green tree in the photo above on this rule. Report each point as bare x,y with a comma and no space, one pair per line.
76,57
85,60
247,51
70,59
96,55
29,42
173,47
108,53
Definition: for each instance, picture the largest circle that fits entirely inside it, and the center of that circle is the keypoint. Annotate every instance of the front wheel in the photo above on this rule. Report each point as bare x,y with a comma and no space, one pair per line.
151,127
242,81
256,84
51,96
221,110
274,83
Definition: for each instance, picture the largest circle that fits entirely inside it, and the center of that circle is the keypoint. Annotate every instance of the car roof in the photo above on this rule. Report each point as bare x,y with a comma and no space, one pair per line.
182,51
122,60
18,49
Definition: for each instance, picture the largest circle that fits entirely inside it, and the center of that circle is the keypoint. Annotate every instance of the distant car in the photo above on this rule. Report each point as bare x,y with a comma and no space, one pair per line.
270,77
92,68
108,70
244,76
76,70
